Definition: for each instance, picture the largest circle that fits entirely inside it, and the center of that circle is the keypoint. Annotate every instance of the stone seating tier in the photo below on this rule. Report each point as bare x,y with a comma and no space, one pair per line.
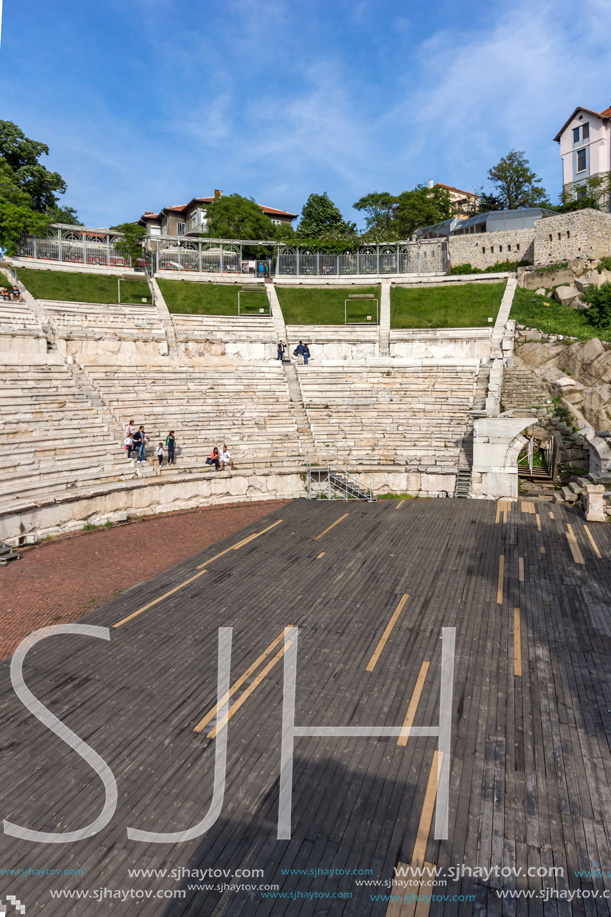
415,415
248,407
54,437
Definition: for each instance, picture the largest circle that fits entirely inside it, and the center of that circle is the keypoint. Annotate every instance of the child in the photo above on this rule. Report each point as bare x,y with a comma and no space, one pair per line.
129,444
160,453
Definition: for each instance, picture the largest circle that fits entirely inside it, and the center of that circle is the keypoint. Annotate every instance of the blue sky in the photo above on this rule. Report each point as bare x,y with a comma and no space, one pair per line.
146,103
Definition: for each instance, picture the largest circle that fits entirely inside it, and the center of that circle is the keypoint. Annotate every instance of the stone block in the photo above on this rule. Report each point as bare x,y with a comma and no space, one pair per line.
594,502
566,294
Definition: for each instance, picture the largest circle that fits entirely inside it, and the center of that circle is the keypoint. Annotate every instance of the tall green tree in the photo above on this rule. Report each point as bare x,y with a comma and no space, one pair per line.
379,208
29,192
322,219
17,217
235,217
422,206
130,243
22,155
515,183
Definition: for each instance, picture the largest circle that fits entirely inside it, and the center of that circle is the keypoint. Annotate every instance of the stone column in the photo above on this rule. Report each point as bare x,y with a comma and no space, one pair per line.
595,502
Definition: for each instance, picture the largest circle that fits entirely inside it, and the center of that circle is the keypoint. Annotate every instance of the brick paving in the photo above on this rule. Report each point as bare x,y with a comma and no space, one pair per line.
61,580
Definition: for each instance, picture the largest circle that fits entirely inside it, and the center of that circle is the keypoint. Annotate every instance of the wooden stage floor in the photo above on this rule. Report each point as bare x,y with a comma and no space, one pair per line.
527,587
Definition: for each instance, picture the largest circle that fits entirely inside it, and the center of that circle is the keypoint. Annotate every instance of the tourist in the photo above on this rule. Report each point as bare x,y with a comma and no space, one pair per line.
130,428
140,440
299,352
4,293
306,354
170,444
281,349
15,294
214,459
226,457
129,445
160,454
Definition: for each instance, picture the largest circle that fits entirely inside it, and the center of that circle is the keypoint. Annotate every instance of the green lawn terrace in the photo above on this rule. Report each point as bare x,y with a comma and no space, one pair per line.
551,317
65,286
469,305
187,297
328,305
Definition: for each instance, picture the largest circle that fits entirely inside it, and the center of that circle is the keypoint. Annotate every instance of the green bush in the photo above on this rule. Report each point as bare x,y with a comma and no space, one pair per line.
604,264
463,269
599,298
498,268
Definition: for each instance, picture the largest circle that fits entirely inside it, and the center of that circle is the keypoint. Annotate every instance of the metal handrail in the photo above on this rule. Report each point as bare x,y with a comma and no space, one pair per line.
323,471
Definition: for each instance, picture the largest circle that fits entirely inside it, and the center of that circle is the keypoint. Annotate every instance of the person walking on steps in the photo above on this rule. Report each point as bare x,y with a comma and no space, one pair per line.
140,440
281,349
306,354
170,444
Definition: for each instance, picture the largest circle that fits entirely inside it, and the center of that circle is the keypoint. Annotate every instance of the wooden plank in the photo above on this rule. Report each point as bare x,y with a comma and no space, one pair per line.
238,684
575,549
499,588
156,601
517,643
240,544
521,569
332,526
413,705
387,632
592,542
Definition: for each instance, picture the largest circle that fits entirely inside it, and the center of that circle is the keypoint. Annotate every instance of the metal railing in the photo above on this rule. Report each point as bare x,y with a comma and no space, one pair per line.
331,479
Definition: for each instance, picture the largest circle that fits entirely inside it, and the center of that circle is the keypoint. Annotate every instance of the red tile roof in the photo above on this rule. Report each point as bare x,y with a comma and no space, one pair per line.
598,114
457,190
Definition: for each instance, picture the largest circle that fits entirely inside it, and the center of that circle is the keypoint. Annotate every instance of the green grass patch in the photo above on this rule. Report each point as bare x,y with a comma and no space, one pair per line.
69,287
396,497
467,305
552,317
311,306
5,282
191,298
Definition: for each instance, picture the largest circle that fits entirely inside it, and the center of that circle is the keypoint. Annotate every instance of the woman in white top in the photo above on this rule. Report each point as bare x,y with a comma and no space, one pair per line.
226,458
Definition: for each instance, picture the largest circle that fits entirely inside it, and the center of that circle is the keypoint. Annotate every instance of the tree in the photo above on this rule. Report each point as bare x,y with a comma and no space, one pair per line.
599,299
21,155
515,183
422,206
285,232
29,193
235,217
67,215
379,207
17,217
321,219
488,202
130,243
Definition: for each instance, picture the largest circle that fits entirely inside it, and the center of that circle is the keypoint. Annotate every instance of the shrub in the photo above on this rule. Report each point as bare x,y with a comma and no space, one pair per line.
599,298
604,264
498,268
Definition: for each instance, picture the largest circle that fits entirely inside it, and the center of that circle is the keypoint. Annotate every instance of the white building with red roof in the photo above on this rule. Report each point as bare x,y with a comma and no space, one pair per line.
191,219
465,203
585,150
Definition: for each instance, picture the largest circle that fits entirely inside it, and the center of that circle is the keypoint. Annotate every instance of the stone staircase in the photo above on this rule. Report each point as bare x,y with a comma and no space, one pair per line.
304,431
523,391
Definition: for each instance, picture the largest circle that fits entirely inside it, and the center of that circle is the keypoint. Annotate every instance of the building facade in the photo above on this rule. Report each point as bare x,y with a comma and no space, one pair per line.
190,219
585,150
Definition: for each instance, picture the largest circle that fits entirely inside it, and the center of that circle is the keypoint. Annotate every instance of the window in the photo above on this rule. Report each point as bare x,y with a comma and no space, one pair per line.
586,131
581,160
483,249
181,228
517,246
559,236
575,135
492,249
509,248
568,235
276,222
581,193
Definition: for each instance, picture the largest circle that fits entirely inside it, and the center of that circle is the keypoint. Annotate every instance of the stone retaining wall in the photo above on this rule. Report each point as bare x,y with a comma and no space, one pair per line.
160,494
484,249
581,234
